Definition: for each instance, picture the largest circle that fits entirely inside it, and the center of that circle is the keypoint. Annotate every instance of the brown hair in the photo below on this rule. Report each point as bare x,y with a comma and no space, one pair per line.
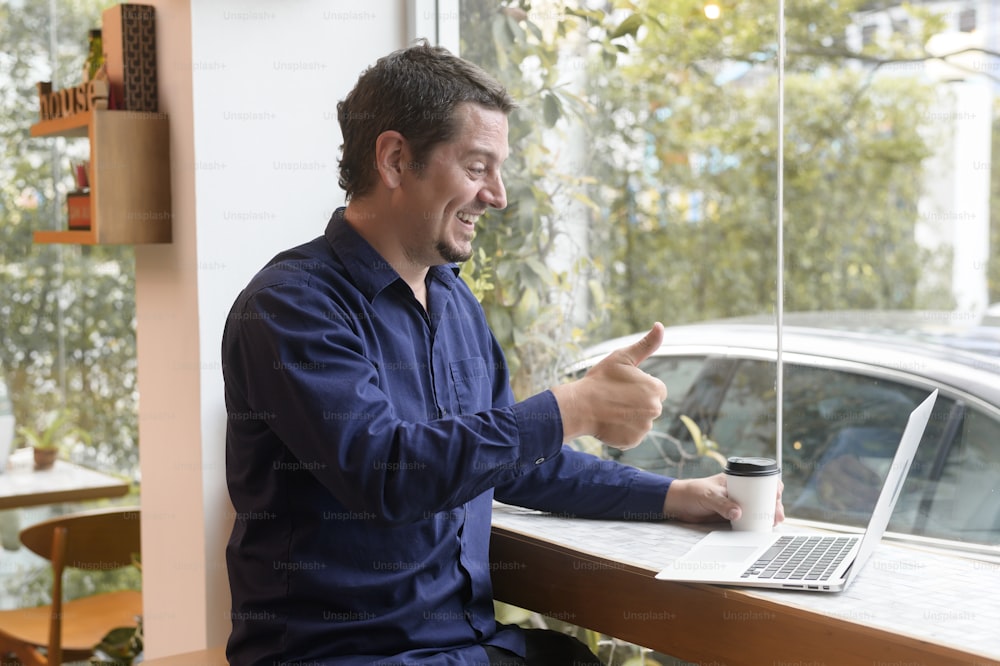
413,91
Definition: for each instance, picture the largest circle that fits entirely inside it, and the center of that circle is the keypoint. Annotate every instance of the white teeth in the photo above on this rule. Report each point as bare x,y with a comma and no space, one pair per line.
467,217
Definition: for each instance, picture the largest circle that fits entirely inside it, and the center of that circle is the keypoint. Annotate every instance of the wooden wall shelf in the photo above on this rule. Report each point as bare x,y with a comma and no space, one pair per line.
130,201
75,125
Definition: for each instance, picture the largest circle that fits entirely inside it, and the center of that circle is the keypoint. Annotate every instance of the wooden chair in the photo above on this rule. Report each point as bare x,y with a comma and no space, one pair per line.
69,630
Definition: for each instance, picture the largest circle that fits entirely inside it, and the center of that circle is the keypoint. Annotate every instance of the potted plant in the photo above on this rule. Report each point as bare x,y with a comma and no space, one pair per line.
51,432
122,646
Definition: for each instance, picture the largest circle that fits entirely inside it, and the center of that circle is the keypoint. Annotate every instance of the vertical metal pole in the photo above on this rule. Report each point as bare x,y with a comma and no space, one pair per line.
780,291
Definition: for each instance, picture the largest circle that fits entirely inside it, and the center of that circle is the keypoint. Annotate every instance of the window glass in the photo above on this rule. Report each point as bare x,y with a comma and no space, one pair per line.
644,185
654,176
67,312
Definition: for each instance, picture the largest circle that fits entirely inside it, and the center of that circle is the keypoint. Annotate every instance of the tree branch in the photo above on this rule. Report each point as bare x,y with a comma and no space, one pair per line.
878,62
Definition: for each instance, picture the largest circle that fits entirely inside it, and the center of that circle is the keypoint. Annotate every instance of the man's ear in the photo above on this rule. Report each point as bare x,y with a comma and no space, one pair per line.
390,149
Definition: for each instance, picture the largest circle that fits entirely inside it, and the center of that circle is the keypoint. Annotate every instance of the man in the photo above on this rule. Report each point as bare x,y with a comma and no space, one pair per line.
371,422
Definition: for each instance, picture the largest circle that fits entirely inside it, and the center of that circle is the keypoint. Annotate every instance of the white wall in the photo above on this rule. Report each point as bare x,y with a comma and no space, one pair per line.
251,90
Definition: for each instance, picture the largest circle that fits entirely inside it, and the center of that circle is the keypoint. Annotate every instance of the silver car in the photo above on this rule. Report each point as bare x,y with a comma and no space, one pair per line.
850,380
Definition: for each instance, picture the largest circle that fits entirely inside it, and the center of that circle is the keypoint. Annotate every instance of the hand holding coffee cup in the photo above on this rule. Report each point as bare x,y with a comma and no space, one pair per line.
753,484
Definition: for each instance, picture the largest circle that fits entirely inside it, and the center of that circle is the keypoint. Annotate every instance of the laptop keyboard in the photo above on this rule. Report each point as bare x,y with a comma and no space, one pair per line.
801,558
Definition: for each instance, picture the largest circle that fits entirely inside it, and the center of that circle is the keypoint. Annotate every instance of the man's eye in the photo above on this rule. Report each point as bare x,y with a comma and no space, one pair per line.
478,170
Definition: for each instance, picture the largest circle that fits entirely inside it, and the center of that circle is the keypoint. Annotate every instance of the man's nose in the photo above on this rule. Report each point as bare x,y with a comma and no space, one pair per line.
495,194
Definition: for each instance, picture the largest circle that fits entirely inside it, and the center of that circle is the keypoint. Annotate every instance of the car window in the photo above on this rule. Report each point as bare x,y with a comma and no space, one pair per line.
840,434
745,421
841,430
963,503
677,374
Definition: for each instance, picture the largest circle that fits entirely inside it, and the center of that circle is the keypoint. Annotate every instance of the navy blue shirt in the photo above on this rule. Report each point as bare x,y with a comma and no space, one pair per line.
367,438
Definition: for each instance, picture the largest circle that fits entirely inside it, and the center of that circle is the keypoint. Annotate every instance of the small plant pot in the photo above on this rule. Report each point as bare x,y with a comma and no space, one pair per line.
45,458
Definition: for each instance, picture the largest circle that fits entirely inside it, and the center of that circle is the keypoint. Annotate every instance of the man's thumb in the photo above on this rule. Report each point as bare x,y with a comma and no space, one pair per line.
641,350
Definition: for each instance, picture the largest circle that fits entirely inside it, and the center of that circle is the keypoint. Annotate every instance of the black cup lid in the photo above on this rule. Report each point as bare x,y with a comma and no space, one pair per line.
739,466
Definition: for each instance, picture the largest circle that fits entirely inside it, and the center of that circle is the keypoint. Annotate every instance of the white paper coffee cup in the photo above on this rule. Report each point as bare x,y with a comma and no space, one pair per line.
753,484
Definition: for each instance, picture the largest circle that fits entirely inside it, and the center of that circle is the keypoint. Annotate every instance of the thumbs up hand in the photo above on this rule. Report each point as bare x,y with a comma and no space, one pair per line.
615,401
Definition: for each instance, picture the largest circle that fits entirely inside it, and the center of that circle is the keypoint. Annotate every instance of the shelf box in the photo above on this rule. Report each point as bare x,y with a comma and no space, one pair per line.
130,197
128,32
78,210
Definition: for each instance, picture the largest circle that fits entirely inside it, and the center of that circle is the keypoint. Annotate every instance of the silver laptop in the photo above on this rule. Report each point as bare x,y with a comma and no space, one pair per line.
801,561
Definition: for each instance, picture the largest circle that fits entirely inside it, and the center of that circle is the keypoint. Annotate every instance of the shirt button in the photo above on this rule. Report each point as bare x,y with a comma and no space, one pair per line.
540,461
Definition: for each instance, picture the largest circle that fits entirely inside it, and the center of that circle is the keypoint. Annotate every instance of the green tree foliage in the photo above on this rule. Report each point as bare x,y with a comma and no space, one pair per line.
680,126
67,313
679,122
691,218
527,295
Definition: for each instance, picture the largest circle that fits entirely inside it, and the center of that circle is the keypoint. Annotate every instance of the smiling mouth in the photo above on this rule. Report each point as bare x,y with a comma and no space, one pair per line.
468,218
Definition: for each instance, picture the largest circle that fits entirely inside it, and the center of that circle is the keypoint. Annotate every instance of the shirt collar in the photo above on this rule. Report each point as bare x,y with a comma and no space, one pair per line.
368,270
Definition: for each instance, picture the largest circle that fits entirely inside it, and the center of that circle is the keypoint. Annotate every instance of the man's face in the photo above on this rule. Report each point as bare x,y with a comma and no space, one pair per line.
460,180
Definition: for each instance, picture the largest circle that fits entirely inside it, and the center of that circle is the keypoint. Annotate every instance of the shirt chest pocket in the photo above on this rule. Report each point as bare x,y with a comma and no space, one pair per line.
471,385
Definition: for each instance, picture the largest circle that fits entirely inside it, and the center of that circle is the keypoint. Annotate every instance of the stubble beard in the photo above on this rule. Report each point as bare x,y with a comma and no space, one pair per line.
452,254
